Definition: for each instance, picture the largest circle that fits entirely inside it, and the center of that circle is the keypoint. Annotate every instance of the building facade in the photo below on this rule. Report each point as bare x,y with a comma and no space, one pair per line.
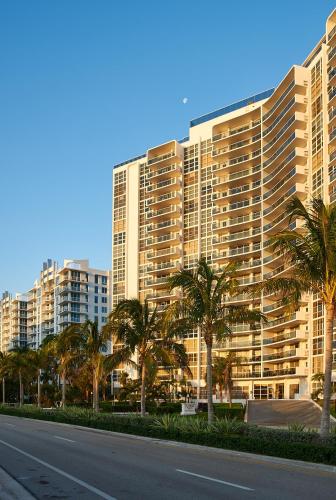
63,295
13,321
220,194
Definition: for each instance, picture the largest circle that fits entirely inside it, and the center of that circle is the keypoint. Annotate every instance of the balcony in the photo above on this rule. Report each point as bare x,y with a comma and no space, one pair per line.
161,241
163,266
235,131
280,373
222,197
279,101
170,198
235,221
235,175
165,185
290,337
249,234
287,321
172,224
164,212
161,158
164,253
166,172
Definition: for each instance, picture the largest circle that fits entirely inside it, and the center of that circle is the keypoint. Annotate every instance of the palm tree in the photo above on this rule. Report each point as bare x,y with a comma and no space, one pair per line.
66,347
4,370
94,345
312,253
204,305
145,336
19,365
218,379
230,361
38,360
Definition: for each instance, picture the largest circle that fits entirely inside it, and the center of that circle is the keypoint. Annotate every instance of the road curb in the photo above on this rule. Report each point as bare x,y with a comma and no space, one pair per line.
10,489
237,454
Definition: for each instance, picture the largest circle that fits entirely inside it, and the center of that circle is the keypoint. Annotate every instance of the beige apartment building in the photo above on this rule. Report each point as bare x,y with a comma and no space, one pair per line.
221,193
13,321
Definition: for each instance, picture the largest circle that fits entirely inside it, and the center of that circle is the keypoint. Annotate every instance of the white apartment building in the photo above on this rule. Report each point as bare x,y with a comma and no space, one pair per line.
63,295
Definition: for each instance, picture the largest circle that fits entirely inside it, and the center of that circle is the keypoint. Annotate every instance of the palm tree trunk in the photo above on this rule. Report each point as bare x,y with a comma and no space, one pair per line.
63,389
209,383
20,389
39,388
143,393
95,387
220,393
230,396
325,417
3,391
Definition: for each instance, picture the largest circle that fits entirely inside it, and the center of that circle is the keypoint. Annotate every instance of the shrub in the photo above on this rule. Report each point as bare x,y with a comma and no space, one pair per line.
228,426
296,427
233,435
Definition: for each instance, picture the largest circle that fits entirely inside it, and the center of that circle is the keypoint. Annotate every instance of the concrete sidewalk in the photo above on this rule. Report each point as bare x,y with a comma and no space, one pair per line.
11,489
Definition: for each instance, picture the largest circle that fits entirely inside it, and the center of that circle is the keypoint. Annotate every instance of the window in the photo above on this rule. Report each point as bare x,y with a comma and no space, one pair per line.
96,299
104,300
104,309
96,309
104,280
96,319
104,319
104,289
96,278
96,289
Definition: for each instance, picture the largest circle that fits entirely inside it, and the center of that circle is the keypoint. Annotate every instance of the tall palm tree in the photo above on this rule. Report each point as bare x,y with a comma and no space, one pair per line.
94,346
218,379
146,338
312,253
38,360
230,360
204,305
66,348
19,365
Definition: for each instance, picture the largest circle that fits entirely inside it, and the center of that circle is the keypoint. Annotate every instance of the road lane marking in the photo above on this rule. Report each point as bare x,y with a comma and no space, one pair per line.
64,439
9,425
97,492
215,480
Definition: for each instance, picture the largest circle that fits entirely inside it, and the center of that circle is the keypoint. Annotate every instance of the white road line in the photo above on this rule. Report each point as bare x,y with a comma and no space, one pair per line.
98,492
215,480
9,425
64,439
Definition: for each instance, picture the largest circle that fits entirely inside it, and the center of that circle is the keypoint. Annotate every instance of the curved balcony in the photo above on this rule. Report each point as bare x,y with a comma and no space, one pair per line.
292,89
237,192
236,132
298,189
236,176
298,121
299,137
242,146
239,345
247,235
161,158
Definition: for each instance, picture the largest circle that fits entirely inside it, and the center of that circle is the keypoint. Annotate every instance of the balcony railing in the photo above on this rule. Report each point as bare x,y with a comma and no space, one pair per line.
156,159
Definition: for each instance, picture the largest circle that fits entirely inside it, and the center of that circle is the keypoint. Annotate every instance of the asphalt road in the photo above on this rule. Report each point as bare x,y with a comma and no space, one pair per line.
56,461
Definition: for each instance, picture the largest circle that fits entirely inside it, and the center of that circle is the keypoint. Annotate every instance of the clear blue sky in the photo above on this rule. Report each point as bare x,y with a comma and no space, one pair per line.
87,84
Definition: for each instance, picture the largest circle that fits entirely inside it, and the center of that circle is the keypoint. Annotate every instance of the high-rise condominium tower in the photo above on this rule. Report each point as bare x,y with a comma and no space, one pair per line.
221,194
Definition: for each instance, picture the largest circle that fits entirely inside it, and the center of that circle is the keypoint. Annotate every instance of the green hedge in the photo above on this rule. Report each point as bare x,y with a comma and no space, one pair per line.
306,446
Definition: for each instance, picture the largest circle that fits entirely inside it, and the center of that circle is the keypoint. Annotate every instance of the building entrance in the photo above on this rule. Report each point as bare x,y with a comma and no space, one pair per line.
263,391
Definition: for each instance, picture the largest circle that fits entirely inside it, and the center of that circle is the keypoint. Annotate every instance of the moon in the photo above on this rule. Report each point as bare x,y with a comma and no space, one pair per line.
185,100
